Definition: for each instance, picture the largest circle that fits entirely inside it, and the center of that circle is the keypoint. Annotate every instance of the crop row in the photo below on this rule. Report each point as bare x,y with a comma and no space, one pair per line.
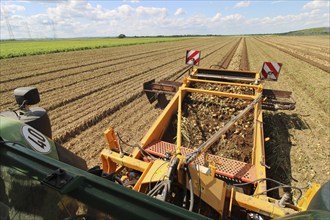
92,63
316,43
36,65
70,79
320,60
66,79
116,96
314,51
56,63
121,74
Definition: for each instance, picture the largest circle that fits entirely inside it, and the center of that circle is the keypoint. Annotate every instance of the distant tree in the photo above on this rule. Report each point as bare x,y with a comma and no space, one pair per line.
121,36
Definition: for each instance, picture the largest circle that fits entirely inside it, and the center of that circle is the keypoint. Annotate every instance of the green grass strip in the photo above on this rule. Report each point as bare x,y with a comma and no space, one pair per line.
19,48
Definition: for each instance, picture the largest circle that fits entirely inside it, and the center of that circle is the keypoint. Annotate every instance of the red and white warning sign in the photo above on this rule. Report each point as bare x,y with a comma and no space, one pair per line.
270,70
193,57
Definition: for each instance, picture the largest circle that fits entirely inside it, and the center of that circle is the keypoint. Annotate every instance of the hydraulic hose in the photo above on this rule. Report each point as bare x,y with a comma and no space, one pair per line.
191,206
184,203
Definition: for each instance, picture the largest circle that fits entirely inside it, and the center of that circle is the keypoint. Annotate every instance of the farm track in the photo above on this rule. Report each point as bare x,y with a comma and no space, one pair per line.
244,64
238,57
319,65
224,63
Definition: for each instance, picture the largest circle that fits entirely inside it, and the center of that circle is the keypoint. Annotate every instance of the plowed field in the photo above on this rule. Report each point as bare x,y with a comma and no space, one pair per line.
85,92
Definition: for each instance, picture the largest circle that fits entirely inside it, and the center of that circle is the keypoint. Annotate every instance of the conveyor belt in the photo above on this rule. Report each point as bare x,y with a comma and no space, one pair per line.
232,169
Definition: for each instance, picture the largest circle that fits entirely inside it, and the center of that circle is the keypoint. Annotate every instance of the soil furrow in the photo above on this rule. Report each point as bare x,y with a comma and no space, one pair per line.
313,63
173,74
244,65
108,63
224,63
51,87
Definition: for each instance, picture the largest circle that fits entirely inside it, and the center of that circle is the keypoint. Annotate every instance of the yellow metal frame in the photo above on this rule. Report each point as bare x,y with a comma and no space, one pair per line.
110,136
225,83
155,170
303,203
268,208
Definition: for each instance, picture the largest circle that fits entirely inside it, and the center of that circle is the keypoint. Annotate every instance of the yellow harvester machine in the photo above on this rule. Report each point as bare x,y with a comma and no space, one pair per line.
170,166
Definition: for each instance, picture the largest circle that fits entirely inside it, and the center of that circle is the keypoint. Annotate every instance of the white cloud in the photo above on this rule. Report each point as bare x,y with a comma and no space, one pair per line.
151,11
232,18
179,12
11,9
285,23
242,4
132,1
226,19
216,17
47,22
125,10
317,4
83,19
99,21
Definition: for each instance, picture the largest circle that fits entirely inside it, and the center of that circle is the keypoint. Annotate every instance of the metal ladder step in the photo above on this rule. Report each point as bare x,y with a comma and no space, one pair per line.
228,168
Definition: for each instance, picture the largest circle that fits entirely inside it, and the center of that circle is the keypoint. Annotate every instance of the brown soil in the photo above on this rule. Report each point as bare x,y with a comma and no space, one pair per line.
298,150
244,65
203,115
322,64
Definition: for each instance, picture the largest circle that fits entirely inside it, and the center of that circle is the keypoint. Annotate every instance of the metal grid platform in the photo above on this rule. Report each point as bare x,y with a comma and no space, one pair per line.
232,169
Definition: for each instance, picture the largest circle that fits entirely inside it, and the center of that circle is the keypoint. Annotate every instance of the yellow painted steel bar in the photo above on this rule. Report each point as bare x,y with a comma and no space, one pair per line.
178,134
258,156
136,164
231,201
225,94
138,184
225,83
309,195
258,205
199,69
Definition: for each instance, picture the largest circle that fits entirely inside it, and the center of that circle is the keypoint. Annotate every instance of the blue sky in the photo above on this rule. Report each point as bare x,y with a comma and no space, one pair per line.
87,18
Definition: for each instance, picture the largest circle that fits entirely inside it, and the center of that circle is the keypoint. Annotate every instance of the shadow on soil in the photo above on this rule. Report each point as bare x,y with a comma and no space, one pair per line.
277,149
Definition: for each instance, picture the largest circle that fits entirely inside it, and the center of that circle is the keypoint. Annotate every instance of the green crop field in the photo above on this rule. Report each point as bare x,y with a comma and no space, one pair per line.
9,49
